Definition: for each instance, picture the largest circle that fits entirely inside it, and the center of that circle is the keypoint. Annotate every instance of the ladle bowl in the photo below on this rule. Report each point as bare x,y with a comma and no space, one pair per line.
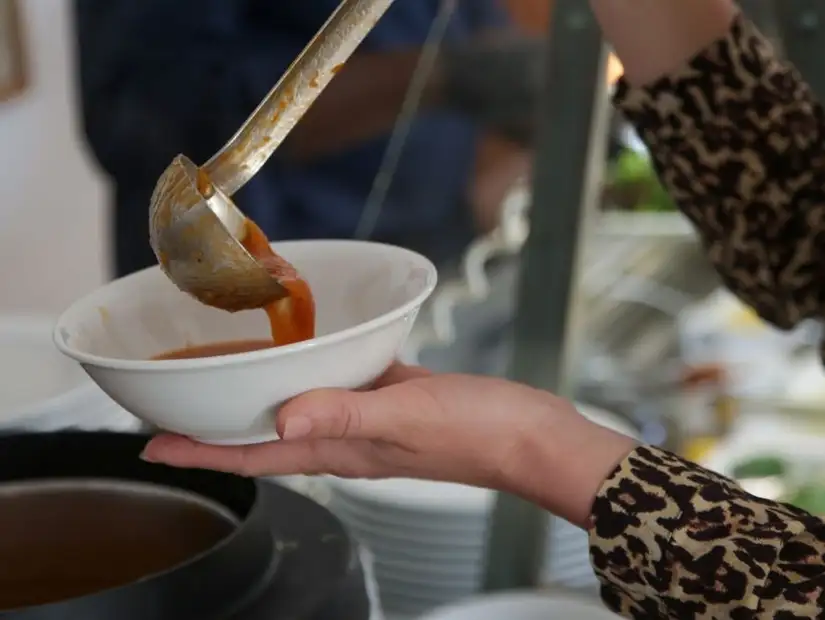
196,232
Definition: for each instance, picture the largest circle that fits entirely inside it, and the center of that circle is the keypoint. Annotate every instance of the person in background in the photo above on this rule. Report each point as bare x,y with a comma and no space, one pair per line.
739,140
158,78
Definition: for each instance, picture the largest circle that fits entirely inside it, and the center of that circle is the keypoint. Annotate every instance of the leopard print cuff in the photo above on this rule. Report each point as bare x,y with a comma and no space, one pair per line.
671,539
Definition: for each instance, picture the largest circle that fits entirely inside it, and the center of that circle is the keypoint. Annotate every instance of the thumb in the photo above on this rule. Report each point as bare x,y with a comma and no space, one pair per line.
342,414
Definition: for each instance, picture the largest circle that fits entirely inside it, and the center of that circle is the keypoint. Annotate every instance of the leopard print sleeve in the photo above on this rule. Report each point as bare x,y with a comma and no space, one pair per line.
672,540
739,141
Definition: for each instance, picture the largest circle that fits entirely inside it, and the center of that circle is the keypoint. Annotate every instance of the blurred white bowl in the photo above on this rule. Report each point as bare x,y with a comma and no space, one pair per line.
524,606
404,496
367,298
427,538
43,391
37,385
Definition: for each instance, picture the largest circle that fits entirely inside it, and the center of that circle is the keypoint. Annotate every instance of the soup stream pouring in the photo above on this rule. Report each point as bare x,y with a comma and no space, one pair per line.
196,231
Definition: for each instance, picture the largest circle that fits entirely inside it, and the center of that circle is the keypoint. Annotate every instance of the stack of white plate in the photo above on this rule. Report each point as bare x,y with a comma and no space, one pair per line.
524,606
427,538
567,553
41,390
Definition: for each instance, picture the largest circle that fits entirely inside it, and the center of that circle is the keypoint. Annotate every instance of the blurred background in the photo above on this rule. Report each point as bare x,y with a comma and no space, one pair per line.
52,190
477,132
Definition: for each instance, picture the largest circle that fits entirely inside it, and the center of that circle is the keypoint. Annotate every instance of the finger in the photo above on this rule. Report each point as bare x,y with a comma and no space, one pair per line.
183,452
381,414
276,458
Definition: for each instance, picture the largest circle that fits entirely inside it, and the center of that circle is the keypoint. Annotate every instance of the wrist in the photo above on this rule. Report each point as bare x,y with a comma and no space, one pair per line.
654,38
563,460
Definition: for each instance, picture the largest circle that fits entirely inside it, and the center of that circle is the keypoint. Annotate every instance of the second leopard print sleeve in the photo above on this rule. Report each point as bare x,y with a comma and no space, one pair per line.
739,141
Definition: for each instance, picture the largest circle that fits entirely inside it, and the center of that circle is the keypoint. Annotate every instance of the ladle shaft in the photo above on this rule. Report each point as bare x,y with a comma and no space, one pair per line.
241,158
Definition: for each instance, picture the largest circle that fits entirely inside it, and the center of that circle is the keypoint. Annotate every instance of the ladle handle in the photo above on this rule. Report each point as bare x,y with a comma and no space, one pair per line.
249,149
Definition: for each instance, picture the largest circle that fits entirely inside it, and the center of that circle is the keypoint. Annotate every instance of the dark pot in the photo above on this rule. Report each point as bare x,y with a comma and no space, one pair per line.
91,532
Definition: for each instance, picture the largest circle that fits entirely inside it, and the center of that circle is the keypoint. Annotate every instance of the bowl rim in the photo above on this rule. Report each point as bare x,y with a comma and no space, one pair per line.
544,598
262,354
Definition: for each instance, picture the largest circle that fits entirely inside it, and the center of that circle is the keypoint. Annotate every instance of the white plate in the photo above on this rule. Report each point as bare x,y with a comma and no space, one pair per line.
418,495
580,554
40,389
567,543
393,511
436,574
417,523
420,603
391,587
574,538
395,591
411,531
400,537
443,554
524,606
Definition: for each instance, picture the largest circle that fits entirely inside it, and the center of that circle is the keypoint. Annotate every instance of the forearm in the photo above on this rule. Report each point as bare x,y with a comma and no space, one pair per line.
361,103
655,37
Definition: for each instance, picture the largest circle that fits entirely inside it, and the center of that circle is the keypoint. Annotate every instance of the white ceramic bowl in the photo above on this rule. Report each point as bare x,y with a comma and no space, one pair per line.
524,606
39,388
43,391
367,298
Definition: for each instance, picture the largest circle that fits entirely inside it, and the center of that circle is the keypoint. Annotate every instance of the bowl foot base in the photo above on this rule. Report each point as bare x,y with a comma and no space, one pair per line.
239,441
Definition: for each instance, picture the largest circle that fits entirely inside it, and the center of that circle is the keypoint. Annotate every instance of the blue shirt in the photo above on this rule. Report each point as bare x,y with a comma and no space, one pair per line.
159,77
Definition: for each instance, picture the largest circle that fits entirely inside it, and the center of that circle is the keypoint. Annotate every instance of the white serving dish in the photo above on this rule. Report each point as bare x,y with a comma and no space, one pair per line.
367,298
524,606
43,391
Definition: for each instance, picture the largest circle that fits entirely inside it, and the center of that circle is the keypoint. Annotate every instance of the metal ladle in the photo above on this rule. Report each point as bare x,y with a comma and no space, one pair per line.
196,231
